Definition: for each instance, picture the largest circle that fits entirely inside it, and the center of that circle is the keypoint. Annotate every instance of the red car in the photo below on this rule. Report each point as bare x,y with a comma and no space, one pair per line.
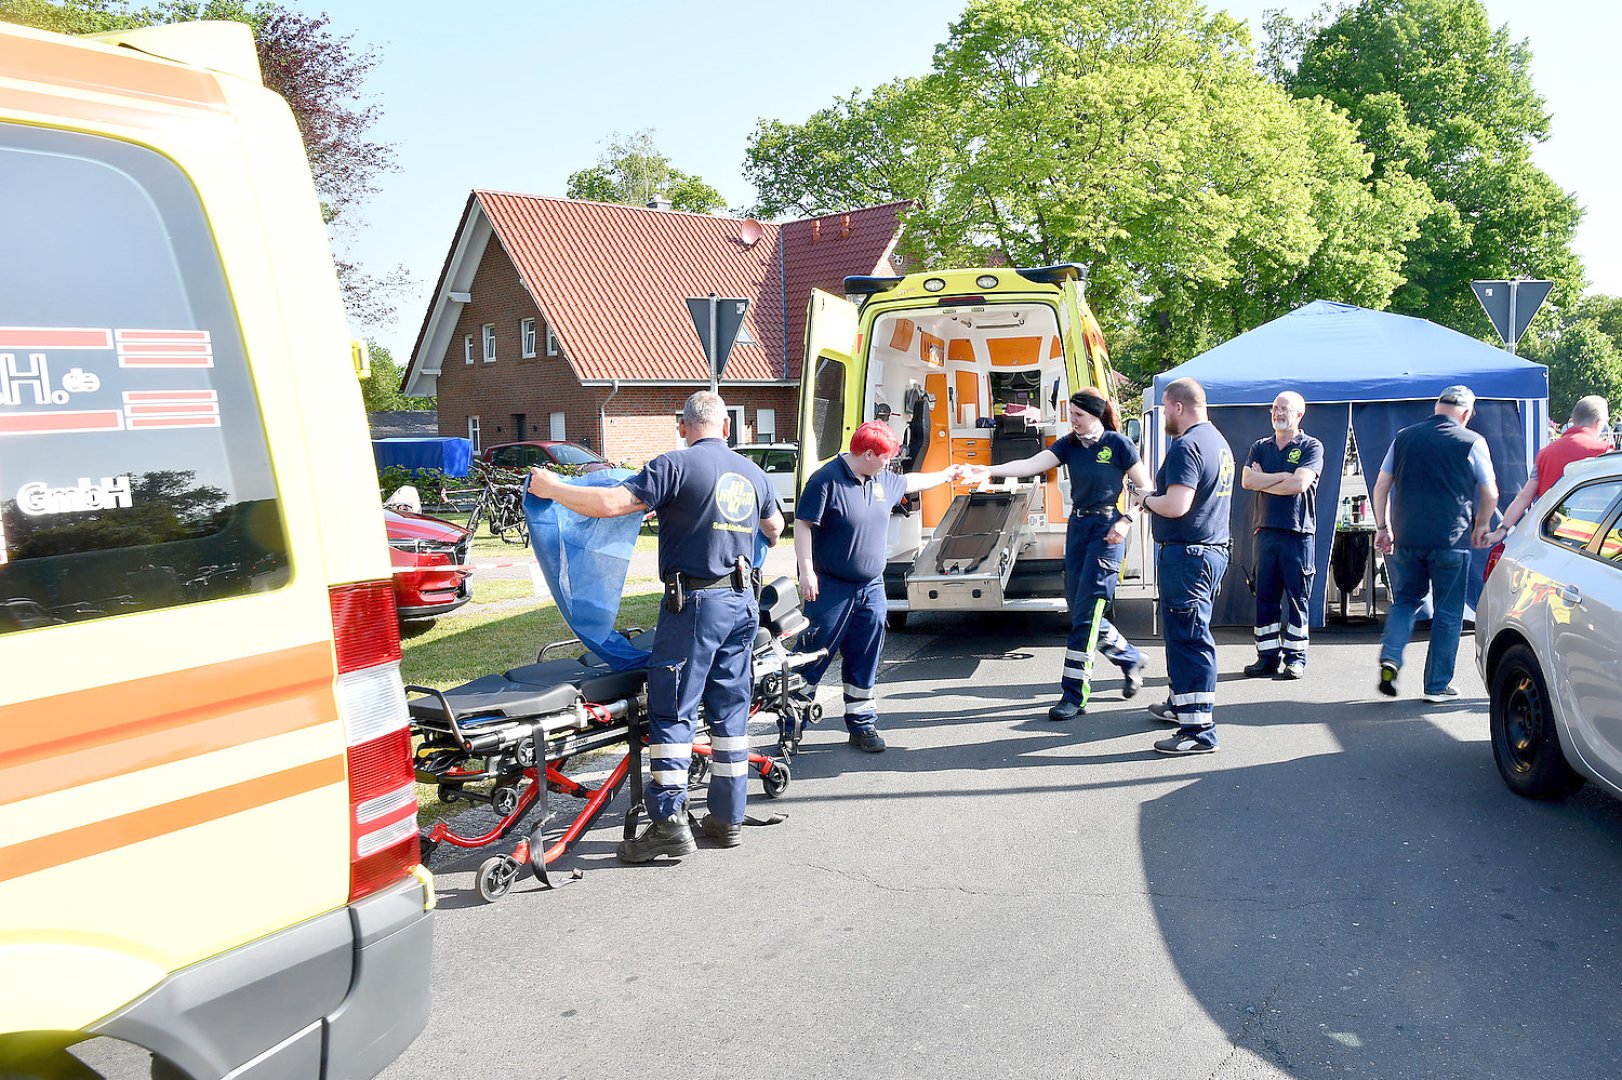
521,455
431,567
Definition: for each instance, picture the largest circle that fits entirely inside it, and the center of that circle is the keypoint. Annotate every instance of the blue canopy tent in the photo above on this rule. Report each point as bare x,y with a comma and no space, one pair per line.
451,456
1370,371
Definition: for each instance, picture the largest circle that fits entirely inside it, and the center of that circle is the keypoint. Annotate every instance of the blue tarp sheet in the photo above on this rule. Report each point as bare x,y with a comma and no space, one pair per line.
450,456
1338,352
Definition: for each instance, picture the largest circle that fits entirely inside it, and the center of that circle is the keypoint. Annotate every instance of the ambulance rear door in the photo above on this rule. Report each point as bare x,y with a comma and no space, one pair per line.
830,382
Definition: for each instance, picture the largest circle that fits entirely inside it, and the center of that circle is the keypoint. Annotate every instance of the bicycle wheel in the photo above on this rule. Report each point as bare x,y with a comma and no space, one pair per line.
475,517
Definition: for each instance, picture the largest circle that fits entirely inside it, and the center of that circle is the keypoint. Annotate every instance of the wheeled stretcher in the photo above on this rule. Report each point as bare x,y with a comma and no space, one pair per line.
505,739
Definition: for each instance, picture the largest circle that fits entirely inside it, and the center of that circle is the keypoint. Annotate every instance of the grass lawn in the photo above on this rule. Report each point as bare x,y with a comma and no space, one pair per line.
482,638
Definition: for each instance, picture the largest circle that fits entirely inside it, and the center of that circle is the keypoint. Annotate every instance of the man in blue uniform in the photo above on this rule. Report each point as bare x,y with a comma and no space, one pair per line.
841,538
1193,492
1439,481
711,502
1283,471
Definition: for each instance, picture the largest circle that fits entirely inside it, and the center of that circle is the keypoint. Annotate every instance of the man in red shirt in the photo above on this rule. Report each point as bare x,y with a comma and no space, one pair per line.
1588,436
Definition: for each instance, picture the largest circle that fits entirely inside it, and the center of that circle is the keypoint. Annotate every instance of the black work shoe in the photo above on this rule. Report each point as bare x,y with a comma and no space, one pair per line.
1134,680
1295,669
1066,710
667,836
724,833
1388,678
1184,744
1262,669
868,740
1162,711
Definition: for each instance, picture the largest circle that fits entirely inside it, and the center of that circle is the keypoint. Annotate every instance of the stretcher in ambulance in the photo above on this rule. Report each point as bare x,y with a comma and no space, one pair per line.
971,366
209,862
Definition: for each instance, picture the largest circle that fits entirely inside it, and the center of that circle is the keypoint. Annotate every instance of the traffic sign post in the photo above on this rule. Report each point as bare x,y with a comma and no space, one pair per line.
1511,304
717,320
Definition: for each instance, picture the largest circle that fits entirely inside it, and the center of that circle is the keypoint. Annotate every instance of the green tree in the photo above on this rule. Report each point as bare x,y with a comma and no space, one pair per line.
318,72
1442,97
382,391
1583,359
631,170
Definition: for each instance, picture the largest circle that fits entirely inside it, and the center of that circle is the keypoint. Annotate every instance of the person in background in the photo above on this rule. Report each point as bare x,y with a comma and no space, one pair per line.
1100,461
1283,471
1191,502
841,538
1589,436
1434,497
710,502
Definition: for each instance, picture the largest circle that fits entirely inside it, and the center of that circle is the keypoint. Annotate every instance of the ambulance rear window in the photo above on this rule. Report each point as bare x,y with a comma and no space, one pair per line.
134,472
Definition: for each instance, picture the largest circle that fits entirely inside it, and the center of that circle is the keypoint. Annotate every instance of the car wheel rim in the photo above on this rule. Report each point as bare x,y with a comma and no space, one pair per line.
1523,723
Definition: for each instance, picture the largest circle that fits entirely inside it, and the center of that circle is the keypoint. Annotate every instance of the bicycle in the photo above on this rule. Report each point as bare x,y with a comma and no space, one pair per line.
499,504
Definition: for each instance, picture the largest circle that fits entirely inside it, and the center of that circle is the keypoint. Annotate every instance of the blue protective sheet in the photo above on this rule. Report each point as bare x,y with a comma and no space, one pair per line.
585,561
451,456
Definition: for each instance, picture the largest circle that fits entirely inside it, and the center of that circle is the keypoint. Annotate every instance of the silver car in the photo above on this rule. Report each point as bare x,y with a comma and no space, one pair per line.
1549,637
777,461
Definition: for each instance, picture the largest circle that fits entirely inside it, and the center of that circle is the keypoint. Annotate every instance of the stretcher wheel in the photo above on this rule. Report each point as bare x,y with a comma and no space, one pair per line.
495,877
504,800
775,780
771,686
813,713
697,769
426,849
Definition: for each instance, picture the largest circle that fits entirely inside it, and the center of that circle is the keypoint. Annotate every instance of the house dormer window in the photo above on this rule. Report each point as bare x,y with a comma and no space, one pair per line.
551,342
467,348
489,342
526,332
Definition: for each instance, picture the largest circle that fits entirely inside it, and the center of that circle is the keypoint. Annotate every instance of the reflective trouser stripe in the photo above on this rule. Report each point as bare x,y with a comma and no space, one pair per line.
669,776
722,743
670,750
729,768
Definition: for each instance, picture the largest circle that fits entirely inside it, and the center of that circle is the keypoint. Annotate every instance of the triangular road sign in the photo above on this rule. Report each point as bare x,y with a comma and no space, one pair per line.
729,312
1499,297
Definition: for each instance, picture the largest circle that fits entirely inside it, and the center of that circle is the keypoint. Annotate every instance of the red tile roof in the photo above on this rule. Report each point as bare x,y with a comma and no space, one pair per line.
611,280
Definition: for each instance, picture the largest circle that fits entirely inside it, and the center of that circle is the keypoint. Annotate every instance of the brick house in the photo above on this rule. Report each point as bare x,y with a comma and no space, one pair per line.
573,324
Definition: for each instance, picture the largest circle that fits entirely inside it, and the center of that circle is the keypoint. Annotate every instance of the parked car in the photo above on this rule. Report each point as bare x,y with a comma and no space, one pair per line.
777,461
431,567
521,455
1549,637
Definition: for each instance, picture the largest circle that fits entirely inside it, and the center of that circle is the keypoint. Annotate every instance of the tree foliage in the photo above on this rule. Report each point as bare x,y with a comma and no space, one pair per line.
1443,98
320,73
382,391
631,170
1134,136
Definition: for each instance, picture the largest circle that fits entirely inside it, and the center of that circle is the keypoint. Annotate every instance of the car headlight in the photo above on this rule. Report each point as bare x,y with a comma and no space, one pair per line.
408,544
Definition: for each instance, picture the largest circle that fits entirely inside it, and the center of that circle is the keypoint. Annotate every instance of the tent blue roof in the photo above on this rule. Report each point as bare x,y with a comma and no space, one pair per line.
1338,352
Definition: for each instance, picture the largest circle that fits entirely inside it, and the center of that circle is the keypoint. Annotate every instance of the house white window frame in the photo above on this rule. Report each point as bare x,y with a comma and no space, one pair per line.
473,433
551,342
763,433
467,348
526,337
489,342
557,427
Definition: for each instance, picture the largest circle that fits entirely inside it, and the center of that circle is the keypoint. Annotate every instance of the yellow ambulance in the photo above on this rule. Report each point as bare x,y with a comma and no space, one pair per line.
973,366
208,842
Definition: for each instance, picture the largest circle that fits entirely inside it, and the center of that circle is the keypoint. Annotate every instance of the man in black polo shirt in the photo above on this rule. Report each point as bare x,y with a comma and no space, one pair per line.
841,538
711,502
1190,503
1439,480
1283,471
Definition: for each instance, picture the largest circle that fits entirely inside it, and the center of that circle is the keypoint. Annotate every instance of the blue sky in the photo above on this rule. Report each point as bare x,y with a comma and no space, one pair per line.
517,94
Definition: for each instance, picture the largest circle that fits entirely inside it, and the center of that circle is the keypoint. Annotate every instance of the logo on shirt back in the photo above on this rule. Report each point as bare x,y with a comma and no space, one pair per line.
734,496
1293,456
1225,474
1105,455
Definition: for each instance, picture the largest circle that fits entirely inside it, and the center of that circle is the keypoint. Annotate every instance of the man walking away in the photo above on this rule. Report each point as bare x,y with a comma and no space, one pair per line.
1283,471
1192,497
1589,436
1436,477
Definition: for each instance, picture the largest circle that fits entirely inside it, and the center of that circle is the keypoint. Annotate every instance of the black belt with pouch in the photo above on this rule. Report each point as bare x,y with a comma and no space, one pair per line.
678,585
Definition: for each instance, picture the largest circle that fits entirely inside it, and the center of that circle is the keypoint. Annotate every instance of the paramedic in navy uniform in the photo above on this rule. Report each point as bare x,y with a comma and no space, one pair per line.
841,538
1283,471
710,503
1100,460
1193,492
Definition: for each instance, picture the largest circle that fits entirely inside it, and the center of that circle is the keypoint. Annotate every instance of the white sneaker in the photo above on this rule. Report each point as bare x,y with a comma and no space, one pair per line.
1447,693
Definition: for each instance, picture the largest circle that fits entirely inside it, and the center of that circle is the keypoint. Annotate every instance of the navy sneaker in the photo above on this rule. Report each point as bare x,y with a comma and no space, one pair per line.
1162,711
1187,743
1294,669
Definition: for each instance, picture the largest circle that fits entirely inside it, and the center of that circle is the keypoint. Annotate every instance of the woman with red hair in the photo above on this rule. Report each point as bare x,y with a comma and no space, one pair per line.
841,538
1100,461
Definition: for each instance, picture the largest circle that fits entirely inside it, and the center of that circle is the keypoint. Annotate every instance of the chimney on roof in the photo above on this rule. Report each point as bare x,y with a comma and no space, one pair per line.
658,202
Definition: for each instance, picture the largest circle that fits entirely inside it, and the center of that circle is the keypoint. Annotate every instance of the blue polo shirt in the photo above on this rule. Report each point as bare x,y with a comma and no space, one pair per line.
1198,458
850,520
1292,513
710,502
1097,472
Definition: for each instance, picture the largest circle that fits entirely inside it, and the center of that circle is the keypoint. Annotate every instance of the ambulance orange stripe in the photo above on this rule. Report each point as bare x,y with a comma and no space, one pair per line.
91,734
103,836
67,65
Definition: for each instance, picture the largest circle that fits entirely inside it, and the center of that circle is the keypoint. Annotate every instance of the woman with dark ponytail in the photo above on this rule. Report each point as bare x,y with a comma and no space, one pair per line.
1100,460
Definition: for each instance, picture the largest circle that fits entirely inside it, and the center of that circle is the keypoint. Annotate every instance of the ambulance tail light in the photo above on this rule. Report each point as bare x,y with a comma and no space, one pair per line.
1493,556
383,844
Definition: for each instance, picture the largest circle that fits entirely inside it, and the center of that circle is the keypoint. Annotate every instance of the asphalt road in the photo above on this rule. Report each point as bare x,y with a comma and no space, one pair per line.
1346,889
